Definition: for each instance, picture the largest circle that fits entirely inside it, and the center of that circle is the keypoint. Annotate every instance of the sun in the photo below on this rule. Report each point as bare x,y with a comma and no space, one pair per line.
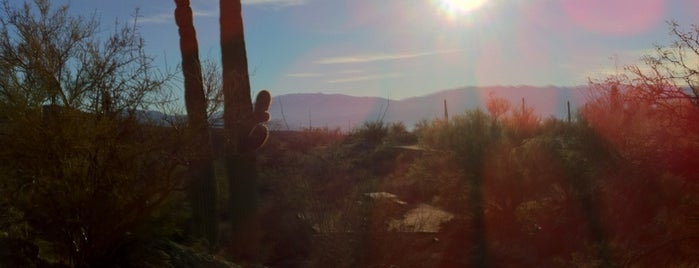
459,6
456,8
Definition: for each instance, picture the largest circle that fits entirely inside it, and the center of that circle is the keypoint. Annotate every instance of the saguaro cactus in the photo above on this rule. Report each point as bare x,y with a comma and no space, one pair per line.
446,111
203,223
242,124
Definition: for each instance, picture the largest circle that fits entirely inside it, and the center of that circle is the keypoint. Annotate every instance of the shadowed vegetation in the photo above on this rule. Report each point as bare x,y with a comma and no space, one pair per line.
88,179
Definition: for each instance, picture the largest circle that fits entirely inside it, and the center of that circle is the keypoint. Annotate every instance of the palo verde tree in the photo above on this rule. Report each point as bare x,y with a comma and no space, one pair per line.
202,182
80,168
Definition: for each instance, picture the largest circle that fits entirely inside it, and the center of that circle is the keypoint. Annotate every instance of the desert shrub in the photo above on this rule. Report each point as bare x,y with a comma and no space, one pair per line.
81,166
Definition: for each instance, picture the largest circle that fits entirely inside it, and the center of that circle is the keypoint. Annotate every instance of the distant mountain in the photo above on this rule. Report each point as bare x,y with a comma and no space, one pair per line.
347,112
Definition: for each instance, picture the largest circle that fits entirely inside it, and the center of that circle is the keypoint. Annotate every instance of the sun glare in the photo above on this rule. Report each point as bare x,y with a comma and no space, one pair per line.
455,8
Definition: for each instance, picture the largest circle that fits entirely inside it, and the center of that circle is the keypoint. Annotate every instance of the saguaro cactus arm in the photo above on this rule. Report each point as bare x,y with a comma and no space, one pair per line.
259,132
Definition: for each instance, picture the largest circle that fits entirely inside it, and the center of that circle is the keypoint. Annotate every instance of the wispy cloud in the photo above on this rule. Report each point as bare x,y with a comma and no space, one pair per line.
352,71
169,17
304,75
157,18
211,10
206,14
275,2
381,57
364,78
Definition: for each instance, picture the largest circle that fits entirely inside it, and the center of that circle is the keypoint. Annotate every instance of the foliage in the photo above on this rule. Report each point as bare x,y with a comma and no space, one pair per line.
651,109
521,122
82,169
85,181
154,252
51,58
557,194
674,63
614,186
648,114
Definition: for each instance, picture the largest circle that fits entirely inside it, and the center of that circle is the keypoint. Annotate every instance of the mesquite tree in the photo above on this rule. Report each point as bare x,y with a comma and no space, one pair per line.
81,168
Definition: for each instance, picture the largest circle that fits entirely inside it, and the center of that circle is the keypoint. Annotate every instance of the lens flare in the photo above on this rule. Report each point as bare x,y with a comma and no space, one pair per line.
615,17
455,8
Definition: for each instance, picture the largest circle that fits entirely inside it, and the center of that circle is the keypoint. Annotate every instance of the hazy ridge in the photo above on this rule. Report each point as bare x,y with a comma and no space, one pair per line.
302,110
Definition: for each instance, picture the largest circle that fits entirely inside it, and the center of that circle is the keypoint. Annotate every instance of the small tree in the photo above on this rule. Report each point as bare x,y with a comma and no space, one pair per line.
667,80
649,115
80,166
521,122
652,107
677,62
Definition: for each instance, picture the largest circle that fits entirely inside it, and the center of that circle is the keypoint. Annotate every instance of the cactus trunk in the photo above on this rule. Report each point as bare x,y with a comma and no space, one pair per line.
203,223
242,124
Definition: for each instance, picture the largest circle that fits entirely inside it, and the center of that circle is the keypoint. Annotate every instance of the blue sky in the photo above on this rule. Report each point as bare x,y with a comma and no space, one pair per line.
403,48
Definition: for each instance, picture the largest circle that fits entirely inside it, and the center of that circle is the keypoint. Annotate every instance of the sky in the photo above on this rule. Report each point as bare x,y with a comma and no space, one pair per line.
403,48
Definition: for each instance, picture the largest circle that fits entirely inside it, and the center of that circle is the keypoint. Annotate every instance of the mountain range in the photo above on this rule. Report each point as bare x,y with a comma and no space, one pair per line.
302,110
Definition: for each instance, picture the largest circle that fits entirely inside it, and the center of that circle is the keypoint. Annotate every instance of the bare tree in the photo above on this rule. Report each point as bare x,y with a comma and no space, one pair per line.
213,91
666,78
80,168
680,61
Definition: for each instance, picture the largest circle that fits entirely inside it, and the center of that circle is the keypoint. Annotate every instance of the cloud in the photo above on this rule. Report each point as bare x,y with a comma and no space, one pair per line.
381,57
207,14
157,18
211,10
275,2
303,75
364,78
169,17
352,71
